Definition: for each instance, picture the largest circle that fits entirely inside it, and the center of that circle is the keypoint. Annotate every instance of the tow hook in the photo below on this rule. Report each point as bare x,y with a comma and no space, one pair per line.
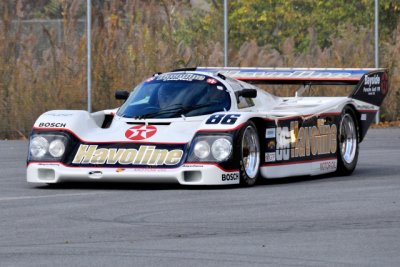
95,174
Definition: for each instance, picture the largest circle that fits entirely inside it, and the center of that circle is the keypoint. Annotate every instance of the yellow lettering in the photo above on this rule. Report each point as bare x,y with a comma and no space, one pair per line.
147,154
314,141
114,155
294,129
307,135
84,154
128,156
99,156
333,138
158,157
301,151
174,156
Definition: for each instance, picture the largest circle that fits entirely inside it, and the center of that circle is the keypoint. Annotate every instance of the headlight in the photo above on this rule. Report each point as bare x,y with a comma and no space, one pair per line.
39,146
57,148
202,149
47,147
221,149
211,148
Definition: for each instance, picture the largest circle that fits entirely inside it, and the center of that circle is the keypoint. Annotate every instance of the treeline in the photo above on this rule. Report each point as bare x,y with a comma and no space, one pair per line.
43,65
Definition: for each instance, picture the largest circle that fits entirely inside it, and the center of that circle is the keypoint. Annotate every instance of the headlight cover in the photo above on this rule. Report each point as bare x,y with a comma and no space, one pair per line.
221,149
57,148
38,146
47,147
202,149
210,148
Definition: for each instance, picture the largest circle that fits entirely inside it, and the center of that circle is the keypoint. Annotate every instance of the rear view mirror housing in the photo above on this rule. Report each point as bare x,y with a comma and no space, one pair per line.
247,93
121,95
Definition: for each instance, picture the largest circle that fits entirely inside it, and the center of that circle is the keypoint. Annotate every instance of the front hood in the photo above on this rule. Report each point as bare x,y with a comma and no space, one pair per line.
86,127
177,130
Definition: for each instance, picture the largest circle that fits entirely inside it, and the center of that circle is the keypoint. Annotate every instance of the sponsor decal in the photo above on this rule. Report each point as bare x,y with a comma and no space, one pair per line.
305,141
140,132
59,114
363,117
223,119
301,74
270,157
374,80
211,81
372,85
328,165
180,77
145,155
270,133
192,165
271,145
234,176
52,125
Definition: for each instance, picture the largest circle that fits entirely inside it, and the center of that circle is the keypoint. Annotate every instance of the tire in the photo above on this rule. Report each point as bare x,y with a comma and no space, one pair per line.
248,146
347,142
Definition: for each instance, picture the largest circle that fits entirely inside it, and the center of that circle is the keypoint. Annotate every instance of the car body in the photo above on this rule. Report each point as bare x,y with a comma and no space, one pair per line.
211,126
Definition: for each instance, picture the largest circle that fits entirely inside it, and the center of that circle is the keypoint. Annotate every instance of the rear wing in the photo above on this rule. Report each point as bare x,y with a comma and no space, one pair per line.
371,85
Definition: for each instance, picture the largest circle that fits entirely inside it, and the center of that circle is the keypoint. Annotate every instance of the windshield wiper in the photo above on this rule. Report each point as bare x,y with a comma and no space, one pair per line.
177,108
188,109
169,109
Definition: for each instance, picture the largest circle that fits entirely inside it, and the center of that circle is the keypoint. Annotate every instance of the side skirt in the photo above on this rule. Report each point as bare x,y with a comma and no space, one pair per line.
315,167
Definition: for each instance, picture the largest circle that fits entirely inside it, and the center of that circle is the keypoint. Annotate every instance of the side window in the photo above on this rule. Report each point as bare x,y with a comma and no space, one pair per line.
245,102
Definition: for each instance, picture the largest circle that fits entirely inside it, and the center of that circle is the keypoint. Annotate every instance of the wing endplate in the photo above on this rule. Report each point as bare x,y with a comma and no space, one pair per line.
372,88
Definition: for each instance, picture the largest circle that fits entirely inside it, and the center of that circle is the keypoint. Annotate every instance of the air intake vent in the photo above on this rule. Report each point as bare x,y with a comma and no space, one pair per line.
153,123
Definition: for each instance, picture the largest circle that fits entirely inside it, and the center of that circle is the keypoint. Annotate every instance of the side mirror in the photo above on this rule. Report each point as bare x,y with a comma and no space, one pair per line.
121,95
247,93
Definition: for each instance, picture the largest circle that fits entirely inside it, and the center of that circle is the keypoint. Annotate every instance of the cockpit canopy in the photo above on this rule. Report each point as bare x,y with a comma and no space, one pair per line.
172,95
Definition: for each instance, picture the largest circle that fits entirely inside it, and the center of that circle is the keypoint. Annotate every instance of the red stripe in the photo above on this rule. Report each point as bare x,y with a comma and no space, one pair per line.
213,164
108,142
221,130
127,167
96,167
295,79
305,115
367,111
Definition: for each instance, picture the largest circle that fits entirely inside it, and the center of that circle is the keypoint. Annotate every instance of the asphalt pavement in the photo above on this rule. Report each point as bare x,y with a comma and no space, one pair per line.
307,221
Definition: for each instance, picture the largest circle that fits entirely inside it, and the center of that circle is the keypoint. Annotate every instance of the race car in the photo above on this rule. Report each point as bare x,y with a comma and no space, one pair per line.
212,126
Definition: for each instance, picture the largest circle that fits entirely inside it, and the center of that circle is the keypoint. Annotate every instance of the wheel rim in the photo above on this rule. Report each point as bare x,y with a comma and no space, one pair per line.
348,138
250,152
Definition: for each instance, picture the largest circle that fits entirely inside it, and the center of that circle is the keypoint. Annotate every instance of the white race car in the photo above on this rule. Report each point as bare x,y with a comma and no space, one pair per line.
211,126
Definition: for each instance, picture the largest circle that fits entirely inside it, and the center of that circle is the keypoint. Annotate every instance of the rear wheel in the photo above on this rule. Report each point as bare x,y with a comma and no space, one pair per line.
348,139
249,154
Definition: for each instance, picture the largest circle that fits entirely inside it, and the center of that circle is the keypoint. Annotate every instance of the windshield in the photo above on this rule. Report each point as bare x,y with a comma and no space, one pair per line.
172,95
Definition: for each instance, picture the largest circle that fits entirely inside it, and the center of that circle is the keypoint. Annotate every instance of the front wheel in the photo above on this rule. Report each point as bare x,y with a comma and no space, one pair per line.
249,154
348,140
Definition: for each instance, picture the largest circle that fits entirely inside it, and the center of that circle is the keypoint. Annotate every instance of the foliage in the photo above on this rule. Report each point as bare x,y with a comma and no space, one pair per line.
270,22
43,64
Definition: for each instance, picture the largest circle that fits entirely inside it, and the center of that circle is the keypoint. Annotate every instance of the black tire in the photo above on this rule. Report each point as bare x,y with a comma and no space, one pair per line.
347,142
248,147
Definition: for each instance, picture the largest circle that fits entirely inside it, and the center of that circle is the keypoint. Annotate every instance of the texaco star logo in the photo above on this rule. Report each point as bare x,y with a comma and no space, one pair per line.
140,132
